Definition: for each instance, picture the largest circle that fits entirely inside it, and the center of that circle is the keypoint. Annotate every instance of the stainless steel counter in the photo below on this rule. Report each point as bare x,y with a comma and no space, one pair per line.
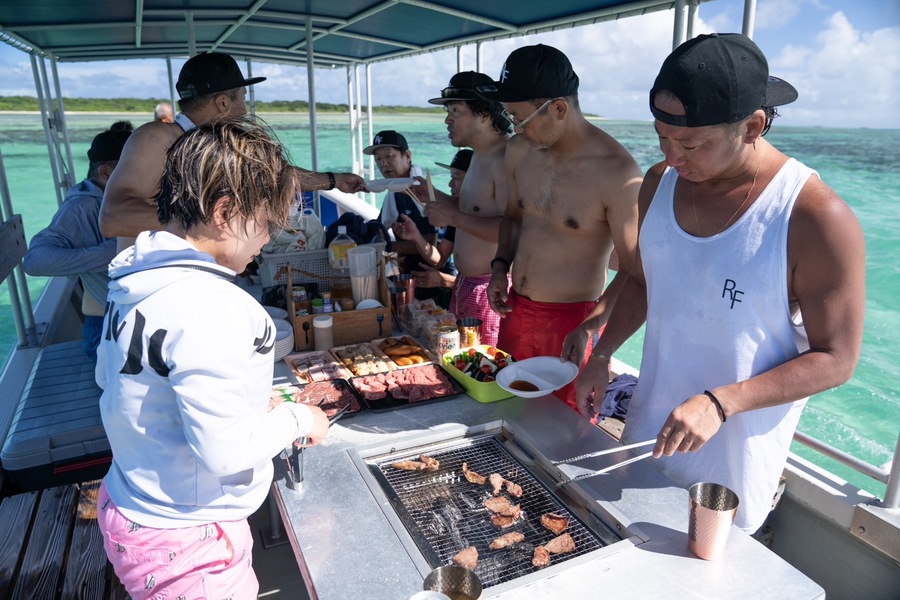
347,548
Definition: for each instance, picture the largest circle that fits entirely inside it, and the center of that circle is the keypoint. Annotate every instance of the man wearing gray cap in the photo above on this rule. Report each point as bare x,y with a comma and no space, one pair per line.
750,276
210,87
572,200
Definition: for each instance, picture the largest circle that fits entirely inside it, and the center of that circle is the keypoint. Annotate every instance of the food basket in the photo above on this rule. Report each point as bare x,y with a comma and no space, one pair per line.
482,391
404,351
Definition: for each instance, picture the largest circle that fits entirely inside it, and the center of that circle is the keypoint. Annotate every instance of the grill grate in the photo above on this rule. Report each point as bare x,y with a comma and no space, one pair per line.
444,513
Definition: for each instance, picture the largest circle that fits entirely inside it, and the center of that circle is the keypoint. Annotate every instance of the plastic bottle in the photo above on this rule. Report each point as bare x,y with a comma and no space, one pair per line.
337,249
323,333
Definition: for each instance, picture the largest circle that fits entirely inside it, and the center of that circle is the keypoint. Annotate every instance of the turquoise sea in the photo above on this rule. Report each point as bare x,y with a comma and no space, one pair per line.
861,418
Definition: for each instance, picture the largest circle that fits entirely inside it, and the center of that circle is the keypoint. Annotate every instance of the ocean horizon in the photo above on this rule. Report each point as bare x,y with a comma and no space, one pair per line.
861,417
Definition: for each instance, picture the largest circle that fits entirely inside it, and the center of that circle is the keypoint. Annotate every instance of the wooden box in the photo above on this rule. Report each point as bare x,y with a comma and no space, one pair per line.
350,326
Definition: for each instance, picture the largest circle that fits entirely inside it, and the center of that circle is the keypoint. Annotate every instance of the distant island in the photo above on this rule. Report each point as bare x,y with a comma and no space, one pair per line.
143,105
139,105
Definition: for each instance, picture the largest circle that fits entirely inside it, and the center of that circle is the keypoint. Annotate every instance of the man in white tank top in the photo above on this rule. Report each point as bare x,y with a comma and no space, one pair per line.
750,276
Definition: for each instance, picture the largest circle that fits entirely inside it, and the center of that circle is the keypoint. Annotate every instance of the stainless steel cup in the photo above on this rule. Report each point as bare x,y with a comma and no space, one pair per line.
469,331
712,512
457,582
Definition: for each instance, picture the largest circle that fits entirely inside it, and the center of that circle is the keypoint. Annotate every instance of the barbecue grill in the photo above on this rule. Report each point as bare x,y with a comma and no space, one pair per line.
437,514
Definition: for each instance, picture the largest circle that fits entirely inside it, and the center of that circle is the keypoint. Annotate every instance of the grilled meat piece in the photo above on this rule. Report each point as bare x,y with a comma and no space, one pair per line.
554,522
560,544
502,521
417,465
507,539
502,506
496,481
467,557
472,476
514,489
541,557
432,463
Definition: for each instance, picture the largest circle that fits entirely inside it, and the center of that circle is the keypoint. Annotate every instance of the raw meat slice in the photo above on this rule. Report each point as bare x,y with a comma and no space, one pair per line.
541,557
514,489
502,521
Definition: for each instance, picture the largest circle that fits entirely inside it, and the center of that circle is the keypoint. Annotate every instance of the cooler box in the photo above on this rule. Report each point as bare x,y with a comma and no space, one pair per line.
56,436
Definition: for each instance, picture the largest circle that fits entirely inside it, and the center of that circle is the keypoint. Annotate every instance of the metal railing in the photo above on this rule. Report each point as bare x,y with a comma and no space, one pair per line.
888,476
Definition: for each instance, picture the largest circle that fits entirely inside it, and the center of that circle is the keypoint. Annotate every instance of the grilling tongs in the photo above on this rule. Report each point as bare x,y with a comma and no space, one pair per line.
294,455
603,453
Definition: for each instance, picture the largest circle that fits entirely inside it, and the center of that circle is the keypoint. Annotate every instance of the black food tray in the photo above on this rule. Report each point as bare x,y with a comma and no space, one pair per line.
313,393
403,394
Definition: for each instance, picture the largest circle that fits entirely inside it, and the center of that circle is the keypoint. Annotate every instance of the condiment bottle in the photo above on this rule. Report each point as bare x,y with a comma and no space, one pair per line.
323,332
337,249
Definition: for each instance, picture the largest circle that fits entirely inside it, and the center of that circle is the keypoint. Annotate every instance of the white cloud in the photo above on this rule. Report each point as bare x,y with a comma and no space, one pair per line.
776,14
847,79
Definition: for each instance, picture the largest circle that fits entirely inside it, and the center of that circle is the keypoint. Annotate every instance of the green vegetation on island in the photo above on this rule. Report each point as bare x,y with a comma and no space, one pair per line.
138,105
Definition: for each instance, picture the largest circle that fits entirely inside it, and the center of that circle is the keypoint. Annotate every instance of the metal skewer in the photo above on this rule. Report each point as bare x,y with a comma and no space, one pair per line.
604,452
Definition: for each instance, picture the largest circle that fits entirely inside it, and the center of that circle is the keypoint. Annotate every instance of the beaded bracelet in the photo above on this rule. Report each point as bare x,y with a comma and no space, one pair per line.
718,404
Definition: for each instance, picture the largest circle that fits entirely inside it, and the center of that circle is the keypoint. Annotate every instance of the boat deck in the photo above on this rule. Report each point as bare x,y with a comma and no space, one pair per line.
52,548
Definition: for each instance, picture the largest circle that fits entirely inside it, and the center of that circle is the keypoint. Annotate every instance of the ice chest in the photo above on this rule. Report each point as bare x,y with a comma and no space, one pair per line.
56,436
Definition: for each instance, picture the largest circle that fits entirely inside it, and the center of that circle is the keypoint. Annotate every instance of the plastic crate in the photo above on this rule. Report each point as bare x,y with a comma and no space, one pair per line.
305,267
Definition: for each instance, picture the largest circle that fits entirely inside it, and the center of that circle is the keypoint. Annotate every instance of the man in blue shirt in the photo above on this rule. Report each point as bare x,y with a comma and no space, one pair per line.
73,245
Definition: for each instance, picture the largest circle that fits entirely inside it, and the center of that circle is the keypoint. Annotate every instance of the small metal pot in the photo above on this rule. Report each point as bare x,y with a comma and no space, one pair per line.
457,582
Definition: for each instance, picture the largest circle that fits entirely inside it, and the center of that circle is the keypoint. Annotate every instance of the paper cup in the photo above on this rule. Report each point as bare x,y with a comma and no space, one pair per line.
712,511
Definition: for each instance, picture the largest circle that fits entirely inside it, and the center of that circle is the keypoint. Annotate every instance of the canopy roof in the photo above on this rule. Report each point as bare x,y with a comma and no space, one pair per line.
343,31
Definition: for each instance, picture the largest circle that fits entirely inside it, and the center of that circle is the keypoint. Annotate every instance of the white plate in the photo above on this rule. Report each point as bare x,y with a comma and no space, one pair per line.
397,184
283,329
546,372
275,312
369,303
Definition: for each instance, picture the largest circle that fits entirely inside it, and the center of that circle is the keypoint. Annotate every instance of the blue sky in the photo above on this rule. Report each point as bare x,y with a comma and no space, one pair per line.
842,56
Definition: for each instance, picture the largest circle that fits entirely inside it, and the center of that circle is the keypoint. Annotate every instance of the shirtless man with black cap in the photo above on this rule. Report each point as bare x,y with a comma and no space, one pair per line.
211,87
572,199
476,214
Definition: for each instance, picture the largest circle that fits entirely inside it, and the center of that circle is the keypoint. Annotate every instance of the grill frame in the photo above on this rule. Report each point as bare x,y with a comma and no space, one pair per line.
606,531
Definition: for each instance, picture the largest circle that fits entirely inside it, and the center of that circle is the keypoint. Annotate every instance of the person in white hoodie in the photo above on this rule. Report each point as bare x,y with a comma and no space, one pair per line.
186,364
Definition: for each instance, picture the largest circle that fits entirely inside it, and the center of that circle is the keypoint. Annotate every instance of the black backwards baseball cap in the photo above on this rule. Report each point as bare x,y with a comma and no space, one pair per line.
460,162
719,78
531,72
462,87
108,145
210,72
387,139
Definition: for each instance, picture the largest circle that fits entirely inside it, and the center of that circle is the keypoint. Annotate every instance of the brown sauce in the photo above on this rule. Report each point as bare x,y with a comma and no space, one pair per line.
523,386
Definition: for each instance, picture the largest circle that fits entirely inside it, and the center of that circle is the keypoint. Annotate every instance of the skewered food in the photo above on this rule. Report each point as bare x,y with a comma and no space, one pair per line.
467,557
541,557
472,476
560,544
507,539
554,522
501,505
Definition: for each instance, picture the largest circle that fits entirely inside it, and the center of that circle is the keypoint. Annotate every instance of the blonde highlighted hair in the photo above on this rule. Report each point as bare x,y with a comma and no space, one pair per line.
240,159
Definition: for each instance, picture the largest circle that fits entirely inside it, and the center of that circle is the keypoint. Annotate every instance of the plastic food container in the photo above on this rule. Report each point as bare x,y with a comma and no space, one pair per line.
483,392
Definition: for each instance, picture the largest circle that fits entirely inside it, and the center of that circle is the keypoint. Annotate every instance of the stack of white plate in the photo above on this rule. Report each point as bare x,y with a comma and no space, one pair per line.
284,338
275,312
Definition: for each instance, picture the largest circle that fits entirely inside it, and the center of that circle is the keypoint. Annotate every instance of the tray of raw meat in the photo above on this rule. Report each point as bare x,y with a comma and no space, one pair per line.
336,396
316,366
405,387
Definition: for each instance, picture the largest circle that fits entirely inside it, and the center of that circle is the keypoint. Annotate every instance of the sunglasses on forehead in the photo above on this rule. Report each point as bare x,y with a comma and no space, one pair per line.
455,92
